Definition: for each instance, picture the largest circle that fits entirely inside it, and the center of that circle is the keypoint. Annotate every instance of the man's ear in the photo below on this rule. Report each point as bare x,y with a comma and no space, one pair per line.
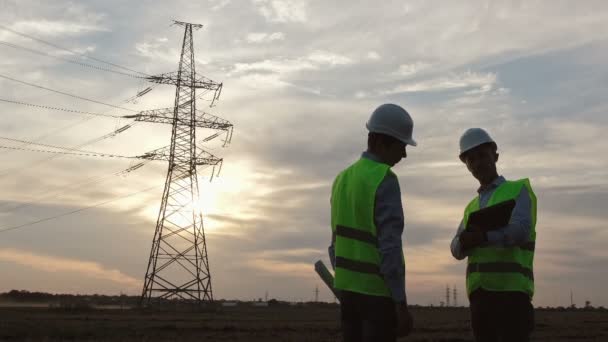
496,157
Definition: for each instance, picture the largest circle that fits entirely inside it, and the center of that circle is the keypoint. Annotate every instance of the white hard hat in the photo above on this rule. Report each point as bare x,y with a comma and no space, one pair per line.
472,138
392,120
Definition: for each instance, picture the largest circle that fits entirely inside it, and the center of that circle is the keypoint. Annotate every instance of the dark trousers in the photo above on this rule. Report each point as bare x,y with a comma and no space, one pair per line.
501,316
367,318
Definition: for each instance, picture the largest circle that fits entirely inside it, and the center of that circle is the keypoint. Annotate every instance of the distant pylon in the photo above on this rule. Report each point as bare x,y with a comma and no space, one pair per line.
455,296
447,295
317,294
571,299
178,267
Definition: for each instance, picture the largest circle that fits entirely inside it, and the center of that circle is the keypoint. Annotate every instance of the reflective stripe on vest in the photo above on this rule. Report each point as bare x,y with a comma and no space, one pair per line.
356,234
503,269
357,266
352,217
500,267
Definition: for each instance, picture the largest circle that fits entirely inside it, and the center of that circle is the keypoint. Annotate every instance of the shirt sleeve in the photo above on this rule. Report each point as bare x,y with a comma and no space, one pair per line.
389,221
455,247
517,232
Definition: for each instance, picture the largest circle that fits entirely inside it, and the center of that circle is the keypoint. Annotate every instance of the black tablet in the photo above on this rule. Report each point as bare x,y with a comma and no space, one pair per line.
492,217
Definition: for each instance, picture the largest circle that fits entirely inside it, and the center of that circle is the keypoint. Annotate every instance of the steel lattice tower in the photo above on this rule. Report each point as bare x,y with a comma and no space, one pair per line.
178,267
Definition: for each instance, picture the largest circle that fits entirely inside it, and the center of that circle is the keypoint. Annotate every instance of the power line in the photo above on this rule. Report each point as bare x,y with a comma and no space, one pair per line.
87,181
70,125
74,151
67,150
70,51
58,190
66,94
109,135
42,53
57,155
71,150
92,115
92,141
6,229
85,154
26,142
141,94
89,142
60,109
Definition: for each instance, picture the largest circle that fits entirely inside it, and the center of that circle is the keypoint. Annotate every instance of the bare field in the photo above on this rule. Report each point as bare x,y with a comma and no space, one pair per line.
303,323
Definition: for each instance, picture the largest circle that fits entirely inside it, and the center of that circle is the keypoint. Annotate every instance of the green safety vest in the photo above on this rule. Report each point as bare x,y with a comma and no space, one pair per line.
352,222
509,268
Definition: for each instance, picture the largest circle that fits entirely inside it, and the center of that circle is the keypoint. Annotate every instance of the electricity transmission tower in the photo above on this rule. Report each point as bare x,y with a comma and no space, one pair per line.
447,295
178,267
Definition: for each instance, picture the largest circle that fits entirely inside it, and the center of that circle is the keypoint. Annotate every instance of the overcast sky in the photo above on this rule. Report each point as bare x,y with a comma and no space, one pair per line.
300,80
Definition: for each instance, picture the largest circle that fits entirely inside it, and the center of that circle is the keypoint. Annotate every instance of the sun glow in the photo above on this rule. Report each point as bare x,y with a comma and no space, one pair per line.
224,196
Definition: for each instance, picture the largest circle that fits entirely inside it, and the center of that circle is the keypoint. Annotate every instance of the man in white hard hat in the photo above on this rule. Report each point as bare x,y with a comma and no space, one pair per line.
367,222
500,277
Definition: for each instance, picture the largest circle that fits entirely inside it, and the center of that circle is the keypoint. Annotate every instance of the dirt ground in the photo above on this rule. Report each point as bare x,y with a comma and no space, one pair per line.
303,323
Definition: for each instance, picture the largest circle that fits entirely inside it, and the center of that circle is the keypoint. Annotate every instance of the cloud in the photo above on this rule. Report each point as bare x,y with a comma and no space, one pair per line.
274,65
373,55
314,61
295,255
55,28
219,4
48,263
278,72
462,81
279,267
265,81
282,11
407,70
325,58
158,49
261,37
